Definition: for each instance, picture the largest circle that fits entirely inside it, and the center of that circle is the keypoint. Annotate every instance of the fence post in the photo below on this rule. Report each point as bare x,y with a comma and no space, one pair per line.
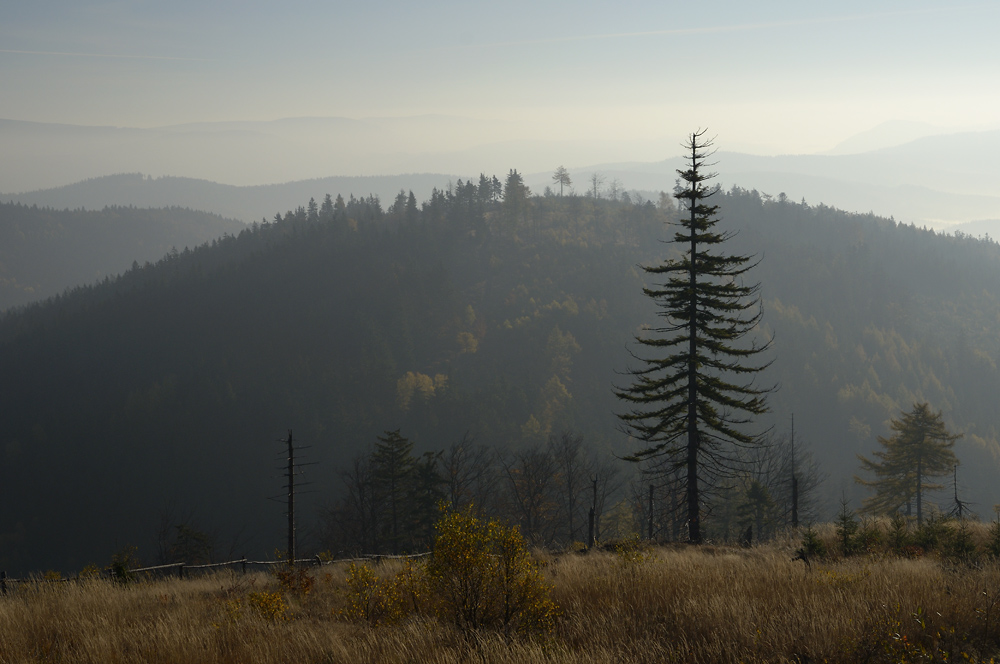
243,564
3,583
590,529
180,570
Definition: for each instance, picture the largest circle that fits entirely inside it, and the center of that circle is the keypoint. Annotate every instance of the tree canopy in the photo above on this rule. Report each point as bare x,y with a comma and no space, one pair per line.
920,449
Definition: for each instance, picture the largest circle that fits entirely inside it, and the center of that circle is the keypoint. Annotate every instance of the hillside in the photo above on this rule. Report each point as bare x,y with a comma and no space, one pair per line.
167,389
44,251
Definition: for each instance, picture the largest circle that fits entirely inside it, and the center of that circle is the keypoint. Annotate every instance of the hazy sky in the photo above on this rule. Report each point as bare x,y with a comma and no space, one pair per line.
775,76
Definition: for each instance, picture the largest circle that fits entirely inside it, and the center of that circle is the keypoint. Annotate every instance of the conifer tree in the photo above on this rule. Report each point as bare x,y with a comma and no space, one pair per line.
696,387
394,468
919,449
312,211
326,209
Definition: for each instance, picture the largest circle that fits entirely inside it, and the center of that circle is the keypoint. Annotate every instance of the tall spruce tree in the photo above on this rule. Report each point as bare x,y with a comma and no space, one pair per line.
695,391
919,449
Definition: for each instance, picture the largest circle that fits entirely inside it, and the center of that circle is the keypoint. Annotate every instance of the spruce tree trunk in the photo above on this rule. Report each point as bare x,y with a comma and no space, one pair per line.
694,522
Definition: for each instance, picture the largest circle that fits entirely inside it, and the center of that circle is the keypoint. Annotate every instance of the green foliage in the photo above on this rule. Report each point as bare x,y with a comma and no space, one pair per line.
390,500
899,534
869,536
919,449
847,530
812,545
959,544
931,532
394,471
122,562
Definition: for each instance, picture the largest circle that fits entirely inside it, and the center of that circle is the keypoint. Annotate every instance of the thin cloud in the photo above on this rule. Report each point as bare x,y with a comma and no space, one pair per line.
103,55
717,29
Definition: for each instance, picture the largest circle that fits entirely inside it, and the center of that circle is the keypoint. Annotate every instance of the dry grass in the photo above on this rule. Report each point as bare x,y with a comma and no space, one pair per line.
708,604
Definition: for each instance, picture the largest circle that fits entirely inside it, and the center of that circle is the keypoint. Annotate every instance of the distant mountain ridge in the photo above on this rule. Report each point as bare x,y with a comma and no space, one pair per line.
248,204
886,134
937,180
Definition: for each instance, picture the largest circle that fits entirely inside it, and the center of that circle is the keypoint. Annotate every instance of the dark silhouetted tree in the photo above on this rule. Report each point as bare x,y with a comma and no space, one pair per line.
695,390
393,467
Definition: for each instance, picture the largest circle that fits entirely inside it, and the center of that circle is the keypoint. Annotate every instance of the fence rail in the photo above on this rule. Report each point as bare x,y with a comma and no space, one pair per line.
181,569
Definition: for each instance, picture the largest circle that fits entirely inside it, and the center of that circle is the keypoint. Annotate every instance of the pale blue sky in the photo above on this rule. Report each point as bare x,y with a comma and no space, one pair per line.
775,76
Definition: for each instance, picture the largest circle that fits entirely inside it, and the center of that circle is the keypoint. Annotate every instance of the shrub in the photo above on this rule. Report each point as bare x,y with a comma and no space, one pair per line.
930,533
959,544
295,580
122,562
869,537
899,534
268,605
632,551
372,599
481,576
812,545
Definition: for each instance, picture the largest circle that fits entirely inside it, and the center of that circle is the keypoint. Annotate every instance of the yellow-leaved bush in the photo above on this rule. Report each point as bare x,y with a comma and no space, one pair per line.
479,577
380,601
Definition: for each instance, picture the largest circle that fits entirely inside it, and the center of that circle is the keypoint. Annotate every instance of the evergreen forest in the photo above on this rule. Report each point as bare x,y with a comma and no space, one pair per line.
44,252
487,316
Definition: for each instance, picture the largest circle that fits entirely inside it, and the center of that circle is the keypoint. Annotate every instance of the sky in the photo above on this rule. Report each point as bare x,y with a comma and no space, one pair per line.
767,77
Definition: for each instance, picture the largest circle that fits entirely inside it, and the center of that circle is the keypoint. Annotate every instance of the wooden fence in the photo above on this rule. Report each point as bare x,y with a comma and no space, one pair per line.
7,584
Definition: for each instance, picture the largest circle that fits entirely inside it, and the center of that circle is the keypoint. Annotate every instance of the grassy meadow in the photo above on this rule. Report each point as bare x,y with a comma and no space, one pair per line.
629,604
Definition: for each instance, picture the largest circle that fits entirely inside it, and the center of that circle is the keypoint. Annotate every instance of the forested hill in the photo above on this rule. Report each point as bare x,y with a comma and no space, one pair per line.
484,310
45,251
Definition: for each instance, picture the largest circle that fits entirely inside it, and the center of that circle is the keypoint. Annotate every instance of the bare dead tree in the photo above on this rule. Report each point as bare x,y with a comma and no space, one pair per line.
470,475
531,485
